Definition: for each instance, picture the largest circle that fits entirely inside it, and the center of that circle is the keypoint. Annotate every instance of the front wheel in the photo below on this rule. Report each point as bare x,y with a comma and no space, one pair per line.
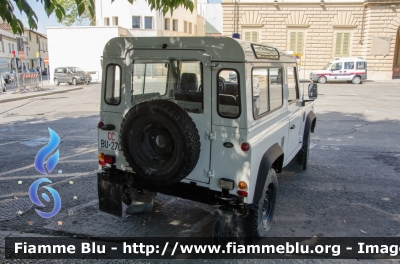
56,82
264,209
356,80
322,79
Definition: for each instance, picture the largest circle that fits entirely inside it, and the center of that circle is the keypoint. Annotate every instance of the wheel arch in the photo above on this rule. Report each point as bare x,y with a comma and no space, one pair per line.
272,158
311,120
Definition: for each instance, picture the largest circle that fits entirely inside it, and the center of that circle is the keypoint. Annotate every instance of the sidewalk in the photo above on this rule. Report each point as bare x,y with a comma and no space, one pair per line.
10,95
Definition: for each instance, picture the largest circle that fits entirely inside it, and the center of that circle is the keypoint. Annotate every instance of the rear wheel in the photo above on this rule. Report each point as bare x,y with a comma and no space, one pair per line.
322,79
264,209
356,80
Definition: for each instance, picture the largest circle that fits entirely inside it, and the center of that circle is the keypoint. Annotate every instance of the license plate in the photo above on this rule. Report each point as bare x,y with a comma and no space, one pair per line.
109,140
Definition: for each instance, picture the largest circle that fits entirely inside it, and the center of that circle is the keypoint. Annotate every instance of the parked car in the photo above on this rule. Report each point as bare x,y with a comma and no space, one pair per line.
352,70
71,75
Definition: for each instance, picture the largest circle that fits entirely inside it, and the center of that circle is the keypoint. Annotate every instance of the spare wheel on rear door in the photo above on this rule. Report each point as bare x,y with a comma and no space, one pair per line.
160,141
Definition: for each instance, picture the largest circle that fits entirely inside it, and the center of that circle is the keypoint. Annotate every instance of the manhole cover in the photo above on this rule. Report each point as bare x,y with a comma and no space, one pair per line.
11,208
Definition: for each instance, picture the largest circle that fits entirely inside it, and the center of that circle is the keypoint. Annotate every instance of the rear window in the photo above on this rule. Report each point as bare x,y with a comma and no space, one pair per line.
112,94
361,65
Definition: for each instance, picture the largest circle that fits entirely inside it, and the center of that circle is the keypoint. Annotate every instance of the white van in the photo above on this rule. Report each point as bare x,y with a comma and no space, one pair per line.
352,70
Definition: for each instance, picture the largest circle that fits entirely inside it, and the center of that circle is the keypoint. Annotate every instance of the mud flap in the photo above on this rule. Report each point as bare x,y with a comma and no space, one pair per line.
110,196
232,225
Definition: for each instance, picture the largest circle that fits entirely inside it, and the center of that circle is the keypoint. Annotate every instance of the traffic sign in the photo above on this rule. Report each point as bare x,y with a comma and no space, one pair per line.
298,58
22,55
46,60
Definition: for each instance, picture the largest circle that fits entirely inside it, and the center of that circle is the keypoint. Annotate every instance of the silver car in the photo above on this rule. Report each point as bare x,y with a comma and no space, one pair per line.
71,75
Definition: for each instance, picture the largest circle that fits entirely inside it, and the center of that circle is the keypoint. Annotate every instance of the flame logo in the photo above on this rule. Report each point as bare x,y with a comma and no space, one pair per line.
45,151
35,199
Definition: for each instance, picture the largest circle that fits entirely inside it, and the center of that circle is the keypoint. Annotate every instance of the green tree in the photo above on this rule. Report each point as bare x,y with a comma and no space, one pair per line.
72,14
82,6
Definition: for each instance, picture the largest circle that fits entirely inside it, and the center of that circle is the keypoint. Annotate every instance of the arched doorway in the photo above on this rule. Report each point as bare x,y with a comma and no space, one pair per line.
396,59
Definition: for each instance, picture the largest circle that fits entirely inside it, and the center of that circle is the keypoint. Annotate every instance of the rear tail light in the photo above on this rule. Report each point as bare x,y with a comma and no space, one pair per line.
100,125
106,159
242,193
245,146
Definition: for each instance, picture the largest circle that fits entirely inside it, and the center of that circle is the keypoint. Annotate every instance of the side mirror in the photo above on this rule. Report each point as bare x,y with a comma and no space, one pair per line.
313,91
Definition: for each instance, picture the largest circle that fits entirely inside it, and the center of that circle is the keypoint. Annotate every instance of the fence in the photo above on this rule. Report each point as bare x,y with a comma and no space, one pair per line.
27,82
95,76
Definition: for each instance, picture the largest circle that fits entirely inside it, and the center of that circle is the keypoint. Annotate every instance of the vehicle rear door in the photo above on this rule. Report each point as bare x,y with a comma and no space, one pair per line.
192,92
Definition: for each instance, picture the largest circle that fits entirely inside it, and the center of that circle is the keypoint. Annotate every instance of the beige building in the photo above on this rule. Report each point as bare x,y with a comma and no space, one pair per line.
32,42
321,30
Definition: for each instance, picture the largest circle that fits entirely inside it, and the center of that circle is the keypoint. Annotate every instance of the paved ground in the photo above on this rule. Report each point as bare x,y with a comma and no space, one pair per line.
350,188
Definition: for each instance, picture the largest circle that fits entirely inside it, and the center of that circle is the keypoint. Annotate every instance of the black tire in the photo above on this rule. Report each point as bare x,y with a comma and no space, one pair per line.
322,79
264,209
306,151
56,82
160,142
74,82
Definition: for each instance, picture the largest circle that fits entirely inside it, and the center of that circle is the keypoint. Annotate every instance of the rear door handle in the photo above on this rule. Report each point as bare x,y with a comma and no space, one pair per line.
293,127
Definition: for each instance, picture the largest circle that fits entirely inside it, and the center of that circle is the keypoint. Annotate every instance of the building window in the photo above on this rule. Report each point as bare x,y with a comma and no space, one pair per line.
342,48
167,24
30,38
12,46
135,22
148,23
296,42
106,21
115,21
9,48
195,30
37,39
251,36
27,53
190,28
2,46
175,25
185,26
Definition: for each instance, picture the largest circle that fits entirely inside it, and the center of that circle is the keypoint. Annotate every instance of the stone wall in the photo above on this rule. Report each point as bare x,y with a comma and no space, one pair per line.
372,27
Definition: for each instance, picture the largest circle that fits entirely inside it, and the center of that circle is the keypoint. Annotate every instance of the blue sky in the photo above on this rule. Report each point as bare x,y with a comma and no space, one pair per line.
44,20
51,21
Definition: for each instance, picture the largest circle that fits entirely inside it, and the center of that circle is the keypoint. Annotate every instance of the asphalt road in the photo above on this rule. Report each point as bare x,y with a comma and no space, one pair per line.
350,188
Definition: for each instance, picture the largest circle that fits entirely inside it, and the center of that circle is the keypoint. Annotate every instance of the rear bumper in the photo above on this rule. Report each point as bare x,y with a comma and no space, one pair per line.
110,187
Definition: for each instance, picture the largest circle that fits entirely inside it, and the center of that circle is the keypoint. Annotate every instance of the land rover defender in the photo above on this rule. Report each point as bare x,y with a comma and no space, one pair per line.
209,119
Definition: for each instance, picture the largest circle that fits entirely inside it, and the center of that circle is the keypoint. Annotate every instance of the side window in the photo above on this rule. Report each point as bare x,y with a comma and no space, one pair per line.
292,84
149,77
336,66
267,90
228,93
113,84
360,65
349,65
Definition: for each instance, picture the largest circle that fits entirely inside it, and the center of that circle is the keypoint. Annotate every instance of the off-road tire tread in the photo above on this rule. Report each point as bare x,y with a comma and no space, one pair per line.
188,129
257,207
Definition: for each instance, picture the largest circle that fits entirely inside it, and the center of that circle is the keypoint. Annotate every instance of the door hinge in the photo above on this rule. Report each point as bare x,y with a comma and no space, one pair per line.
209,173
210,136
300,139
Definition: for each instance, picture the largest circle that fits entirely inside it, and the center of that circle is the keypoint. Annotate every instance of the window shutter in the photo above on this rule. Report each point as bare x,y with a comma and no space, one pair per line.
346,44
293,42
254,36
247,36
338,47
300,43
